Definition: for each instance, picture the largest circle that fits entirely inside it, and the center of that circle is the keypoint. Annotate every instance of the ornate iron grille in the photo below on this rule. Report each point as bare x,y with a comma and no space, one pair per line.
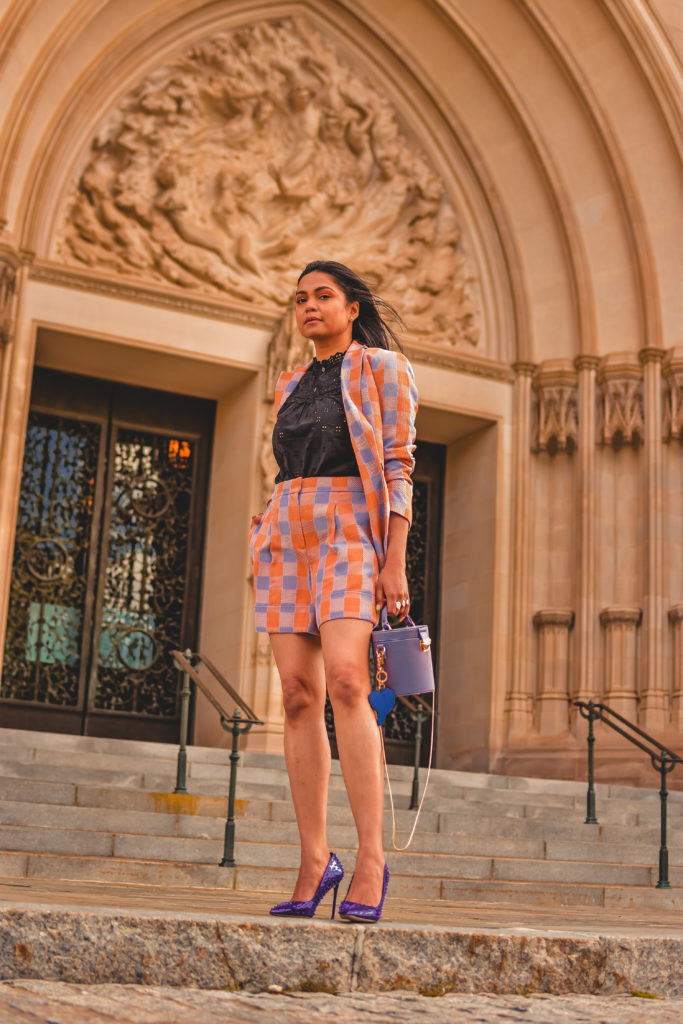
144,574
44,643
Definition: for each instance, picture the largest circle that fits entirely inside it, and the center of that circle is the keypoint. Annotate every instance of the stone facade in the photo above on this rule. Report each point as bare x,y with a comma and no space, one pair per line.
509,174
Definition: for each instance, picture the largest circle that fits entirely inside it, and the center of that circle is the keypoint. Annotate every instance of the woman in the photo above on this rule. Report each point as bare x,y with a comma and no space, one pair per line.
328,552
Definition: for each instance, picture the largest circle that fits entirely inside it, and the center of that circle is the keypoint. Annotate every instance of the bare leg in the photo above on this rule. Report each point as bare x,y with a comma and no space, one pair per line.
345,645
307,749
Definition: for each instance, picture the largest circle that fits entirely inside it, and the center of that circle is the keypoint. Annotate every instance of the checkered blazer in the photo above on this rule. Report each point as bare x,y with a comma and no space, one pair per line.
380,400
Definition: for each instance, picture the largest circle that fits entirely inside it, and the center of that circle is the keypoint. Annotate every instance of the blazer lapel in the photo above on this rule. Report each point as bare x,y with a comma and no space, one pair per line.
287,381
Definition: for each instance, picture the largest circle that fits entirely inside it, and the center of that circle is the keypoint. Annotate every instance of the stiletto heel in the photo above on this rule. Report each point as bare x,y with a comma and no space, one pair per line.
332,876
334,900
361,911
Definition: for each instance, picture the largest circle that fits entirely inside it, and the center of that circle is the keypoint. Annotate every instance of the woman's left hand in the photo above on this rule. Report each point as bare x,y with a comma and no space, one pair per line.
392,588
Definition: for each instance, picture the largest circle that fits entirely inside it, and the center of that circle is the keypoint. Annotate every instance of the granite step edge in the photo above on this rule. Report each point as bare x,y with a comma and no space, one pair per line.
205,951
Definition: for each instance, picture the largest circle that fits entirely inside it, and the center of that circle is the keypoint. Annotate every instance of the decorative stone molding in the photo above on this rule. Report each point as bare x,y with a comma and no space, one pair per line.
556,422
225,170
619,623
552,697
621,411
672,373
676,620
10,262
227,309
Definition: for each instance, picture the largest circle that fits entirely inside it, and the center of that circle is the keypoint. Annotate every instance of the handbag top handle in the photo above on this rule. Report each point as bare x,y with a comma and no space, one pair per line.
384,619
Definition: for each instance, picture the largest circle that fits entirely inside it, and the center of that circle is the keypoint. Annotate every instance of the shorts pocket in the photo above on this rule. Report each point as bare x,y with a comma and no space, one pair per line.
259,533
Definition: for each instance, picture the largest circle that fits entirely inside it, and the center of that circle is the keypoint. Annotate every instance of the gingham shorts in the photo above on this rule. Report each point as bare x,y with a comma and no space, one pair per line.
313,556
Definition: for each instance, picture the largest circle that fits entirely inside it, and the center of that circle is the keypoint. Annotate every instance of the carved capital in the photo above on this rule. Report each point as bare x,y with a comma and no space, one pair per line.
562,618
676,614
224,170
621,616
651,355
672,375
586,362
556,423
621,409
10,262
523,369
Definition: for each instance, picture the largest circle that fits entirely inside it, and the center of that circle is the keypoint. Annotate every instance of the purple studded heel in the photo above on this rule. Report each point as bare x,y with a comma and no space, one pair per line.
360,911
332,876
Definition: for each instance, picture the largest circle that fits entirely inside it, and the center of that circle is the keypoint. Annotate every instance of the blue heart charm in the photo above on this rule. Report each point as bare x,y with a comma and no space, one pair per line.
382,701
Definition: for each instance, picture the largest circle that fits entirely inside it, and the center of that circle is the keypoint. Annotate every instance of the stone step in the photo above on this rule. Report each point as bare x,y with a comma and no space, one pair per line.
377,973
615,812
280,880
76,820
27,793
212,778
420,865
115,754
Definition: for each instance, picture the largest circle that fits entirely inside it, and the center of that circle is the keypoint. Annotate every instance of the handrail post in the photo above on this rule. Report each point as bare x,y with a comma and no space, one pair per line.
590,794
228,860
419,717
665,767
181,771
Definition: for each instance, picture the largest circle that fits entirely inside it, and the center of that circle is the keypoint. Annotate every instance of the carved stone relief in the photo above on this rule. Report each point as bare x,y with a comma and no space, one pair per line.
9,265
672,372
621,413
255,151
556,423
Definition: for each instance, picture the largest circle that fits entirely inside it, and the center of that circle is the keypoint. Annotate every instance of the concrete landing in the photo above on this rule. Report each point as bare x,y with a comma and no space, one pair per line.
39,1002
94,933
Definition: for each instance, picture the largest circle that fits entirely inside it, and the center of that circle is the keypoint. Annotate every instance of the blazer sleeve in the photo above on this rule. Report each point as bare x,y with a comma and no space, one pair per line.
398,401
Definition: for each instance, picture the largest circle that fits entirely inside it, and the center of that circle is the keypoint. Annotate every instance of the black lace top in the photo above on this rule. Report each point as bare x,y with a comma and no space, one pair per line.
311,436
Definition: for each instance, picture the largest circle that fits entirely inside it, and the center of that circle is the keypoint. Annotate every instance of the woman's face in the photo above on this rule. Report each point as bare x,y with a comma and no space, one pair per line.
322,309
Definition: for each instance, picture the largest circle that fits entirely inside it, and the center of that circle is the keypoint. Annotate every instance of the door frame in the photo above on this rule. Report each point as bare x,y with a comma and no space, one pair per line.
113,405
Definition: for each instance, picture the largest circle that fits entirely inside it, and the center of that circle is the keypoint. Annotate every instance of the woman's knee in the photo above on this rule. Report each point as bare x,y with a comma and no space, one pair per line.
348,685
300,696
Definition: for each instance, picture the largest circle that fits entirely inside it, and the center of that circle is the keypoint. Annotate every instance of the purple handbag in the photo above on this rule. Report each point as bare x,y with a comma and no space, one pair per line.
403,663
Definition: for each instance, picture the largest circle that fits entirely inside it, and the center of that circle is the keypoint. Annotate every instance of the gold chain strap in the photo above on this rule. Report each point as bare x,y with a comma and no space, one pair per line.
381,676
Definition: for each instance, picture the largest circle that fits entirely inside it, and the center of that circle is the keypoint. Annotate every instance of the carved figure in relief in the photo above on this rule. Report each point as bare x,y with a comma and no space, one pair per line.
233,164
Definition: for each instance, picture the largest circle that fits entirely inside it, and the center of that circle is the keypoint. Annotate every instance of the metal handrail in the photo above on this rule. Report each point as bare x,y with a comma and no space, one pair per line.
239,722
663,761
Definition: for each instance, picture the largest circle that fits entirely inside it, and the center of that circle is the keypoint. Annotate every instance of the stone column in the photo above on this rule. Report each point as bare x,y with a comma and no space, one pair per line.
585,677
16,352
10,274
676,620
519,701
654,707
619,669
552,700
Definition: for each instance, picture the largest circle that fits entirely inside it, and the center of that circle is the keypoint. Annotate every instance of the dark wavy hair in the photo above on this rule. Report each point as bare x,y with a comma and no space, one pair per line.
370,328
